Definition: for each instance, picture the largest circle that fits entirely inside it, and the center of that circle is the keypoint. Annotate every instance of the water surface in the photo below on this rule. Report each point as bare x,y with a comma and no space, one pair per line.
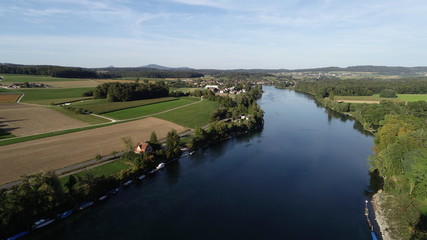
304,176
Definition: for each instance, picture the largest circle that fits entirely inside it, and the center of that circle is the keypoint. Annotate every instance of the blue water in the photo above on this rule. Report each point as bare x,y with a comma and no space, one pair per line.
304,176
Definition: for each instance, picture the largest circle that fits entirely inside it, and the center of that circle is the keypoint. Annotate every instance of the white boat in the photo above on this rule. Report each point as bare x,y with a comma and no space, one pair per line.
102,198
85,205
191,153
128,183
42,222
141,177
114,191
160,166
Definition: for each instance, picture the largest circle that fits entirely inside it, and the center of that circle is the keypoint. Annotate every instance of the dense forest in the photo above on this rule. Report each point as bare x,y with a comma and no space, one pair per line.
75,72
400,153
122,92
324,88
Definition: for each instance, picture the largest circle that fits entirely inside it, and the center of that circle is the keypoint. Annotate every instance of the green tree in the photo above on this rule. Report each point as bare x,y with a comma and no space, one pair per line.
172,145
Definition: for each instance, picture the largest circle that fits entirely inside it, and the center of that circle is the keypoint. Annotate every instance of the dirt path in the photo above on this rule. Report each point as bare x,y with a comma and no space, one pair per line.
359,101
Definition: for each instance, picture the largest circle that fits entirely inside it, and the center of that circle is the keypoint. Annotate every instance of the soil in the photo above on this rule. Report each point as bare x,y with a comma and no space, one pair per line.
68,149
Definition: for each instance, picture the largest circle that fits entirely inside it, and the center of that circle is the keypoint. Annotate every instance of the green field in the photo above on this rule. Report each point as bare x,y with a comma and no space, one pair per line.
99,106
184,90
376,97
191,116
412,97
105,169
11,78
36,95
146,110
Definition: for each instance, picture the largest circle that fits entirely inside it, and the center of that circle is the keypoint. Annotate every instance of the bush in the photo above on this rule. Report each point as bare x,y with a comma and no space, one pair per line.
388,93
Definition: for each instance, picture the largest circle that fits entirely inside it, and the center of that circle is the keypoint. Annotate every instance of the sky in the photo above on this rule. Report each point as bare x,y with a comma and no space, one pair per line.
221,34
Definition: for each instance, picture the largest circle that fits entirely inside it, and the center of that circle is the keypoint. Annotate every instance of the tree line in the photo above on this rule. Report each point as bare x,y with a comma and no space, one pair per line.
75,72
122,92
325,88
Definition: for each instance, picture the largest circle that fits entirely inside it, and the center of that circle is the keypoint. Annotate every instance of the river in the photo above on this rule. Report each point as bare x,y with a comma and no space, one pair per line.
304,176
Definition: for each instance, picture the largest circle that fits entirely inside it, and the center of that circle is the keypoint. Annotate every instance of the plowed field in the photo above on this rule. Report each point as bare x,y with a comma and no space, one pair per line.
25,119
68,149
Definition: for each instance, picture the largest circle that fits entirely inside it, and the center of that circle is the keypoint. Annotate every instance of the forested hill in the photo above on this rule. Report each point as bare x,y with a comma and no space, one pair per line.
157,71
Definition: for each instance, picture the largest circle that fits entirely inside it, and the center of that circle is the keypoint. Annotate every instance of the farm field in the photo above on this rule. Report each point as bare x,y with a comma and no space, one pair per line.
45,94
412,97
99,106
147,109
376,98
72,84
68,149
24,120
87,118
9,98
191,116
184,90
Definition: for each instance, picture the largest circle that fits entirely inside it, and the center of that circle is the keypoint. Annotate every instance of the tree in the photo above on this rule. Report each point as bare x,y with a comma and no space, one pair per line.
388,93
71,183
153,138
172,145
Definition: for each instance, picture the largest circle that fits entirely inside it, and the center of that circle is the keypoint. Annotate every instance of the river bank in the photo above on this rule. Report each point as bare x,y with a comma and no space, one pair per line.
380,216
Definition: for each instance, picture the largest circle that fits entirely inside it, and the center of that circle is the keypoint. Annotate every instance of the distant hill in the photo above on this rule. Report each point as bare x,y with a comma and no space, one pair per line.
159,67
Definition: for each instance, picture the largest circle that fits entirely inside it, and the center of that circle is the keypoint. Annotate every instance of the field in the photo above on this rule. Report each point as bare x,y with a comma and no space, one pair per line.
184,90
412,97
25,120
9,98
191,116
146,110
68,149
72,84
87,118
376,98
99,106
34,95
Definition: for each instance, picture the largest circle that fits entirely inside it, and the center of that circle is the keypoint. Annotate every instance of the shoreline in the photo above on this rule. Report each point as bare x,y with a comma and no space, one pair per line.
380,218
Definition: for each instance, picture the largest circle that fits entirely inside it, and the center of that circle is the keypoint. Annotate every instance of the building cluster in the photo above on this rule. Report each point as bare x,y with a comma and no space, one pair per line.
23,85
221,89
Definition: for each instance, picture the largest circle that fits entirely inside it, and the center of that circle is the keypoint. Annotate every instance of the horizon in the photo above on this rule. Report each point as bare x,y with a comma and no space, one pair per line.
205,34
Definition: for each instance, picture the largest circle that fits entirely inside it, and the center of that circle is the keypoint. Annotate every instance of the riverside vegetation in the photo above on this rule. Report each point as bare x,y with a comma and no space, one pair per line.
43,195
400,151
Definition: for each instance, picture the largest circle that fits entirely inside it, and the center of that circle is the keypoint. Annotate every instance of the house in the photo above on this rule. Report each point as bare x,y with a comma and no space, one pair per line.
143,148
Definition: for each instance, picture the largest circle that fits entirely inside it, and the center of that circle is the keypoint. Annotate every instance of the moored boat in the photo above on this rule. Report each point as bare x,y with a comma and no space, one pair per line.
66,214
114,191
85,205
160,166
42,222
102,197
19,235
128,183
141,177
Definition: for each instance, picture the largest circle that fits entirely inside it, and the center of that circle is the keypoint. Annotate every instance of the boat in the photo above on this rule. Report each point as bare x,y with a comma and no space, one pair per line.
153,171
66,214
42,222
102,198
19,235
141,177
160,166
85,205
114,191
191,153
128,183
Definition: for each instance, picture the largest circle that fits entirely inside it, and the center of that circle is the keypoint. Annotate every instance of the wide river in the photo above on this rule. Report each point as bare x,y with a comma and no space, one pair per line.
304,176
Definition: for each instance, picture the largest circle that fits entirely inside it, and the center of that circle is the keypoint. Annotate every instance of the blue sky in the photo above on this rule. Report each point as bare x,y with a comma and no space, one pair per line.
225,34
